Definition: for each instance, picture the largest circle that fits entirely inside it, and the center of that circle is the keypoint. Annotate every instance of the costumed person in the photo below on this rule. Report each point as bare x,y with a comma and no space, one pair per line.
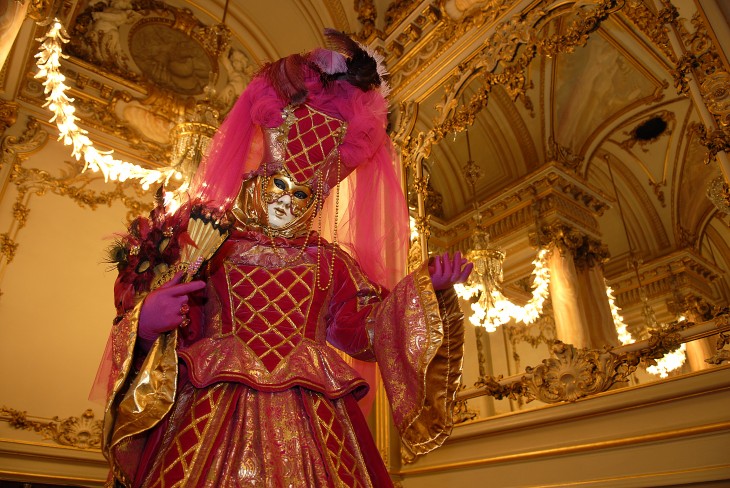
226,375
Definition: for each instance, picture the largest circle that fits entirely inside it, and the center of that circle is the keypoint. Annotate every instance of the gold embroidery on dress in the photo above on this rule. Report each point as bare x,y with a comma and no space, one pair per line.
276,288
198,426
343,463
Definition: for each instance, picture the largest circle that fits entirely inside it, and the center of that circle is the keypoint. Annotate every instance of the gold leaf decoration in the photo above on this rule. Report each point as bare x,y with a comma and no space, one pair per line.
82,432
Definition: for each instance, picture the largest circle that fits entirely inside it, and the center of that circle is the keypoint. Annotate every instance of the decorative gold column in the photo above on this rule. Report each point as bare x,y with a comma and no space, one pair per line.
577,288
697,310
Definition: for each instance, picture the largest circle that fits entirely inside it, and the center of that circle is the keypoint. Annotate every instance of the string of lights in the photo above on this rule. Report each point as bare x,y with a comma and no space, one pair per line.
57,101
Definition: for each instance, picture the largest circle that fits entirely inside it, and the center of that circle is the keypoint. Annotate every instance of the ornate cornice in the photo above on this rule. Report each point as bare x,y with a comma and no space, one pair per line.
663,277
652,24
585,250
366,15
397,11
702,64
550,193
83,432
40,10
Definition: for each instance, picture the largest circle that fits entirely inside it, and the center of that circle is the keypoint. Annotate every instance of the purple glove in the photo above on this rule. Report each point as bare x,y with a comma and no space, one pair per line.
166,308
446,271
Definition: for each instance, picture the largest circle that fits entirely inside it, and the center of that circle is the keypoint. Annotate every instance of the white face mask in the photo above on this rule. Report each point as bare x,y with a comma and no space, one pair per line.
280,213
287,200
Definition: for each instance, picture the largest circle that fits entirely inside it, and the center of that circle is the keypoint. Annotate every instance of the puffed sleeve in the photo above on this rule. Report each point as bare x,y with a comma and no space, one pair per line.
417,337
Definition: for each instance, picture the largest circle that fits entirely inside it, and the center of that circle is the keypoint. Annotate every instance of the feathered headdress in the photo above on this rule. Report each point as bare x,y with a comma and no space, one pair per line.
327,108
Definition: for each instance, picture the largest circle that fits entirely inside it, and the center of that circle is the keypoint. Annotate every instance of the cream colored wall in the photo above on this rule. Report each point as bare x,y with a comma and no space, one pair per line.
56,310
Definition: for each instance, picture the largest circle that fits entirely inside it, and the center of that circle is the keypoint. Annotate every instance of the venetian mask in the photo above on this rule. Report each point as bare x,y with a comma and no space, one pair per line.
278,203
285,199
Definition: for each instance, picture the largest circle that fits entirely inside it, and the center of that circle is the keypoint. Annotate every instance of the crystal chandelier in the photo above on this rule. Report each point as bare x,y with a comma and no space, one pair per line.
670,361
487,273
491,308
191,138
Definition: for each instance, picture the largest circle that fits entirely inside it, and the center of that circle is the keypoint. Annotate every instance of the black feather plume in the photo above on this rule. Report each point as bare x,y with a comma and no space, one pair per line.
362,69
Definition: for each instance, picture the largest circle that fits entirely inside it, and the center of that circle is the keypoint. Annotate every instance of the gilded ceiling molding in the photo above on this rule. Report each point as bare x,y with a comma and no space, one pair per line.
558,207
562,155
41,10
715,141
366,15
719,194
702,64
73,184
8,114
413,47
507,38
133,58
586,251
550,193
652,24
715,88
518,125
397,11
409,34
127,81
83,432
501,48
96,105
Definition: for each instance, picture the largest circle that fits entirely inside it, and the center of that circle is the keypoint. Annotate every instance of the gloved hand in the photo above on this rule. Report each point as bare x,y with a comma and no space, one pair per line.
166,308
446,271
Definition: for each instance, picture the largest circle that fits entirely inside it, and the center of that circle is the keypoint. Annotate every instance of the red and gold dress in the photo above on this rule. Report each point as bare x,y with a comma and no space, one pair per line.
262,398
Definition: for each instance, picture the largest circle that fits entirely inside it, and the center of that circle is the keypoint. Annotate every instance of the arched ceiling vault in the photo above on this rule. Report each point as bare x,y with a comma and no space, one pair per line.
536,83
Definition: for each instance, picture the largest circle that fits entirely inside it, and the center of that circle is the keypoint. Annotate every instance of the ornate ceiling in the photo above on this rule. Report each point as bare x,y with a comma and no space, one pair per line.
605,110
596,88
